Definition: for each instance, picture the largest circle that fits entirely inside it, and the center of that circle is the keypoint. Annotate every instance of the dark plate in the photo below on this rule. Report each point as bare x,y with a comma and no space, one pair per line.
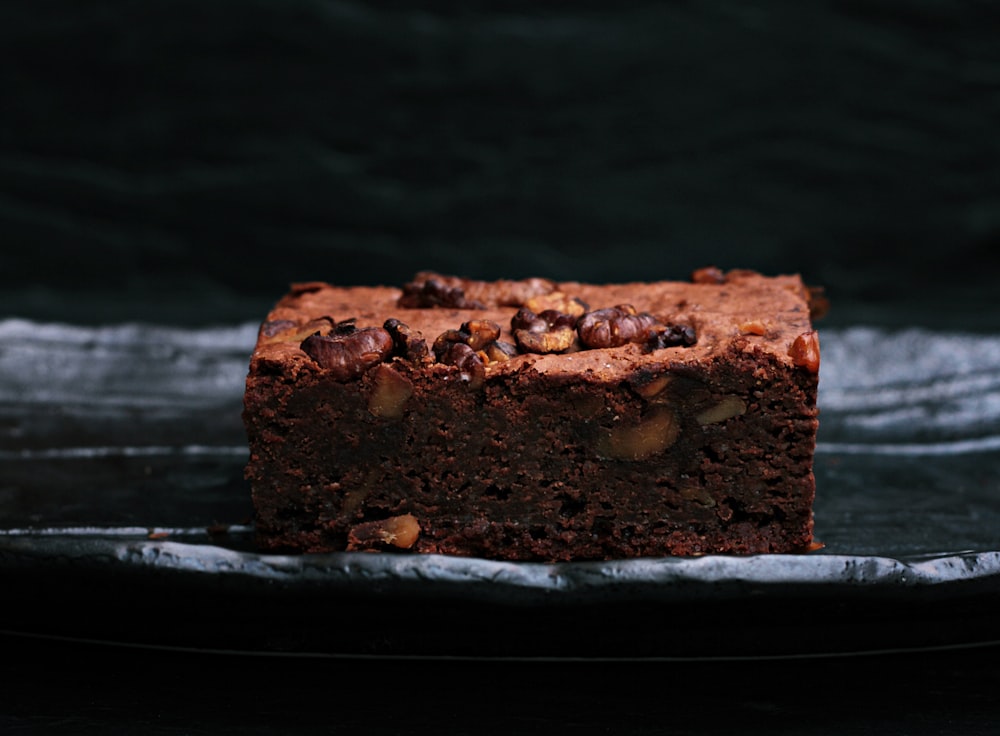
125,519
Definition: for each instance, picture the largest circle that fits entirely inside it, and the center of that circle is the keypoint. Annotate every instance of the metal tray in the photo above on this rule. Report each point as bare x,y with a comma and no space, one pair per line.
124,518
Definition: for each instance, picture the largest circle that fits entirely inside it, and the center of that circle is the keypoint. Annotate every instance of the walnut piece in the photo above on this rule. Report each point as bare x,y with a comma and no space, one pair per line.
727,408
654,433
430,289
559,302
649,389
708,275
396,531
471,347
499,351
406,343
285,330
470,364
349,352
752,327
805,351
548,332
615,326
481,332
434,292
670,336
477,334
390,392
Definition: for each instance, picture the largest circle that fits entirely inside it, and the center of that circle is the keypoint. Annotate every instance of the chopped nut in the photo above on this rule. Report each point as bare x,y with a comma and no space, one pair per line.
548,332
498,352
513,292
614,327
672,336
406,344
470,348
805,351
477,334
351,352
390,392
708,275
559,302
471,367
396,531
429,289
657,431
433,292
654,386
727,408
285,330
448,338
753,327
481,332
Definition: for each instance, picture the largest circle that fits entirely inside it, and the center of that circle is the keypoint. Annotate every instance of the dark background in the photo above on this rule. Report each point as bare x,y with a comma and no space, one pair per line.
184,161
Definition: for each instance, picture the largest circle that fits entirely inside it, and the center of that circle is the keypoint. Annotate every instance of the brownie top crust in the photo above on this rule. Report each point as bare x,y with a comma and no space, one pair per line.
713,313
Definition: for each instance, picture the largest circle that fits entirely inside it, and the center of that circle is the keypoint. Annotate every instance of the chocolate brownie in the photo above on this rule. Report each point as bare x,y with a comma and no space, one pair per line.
536,420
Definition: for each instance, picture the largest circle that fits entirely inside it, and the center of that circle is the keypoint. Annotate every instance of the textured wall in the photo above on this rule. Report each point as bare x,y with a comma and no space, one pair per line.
207,153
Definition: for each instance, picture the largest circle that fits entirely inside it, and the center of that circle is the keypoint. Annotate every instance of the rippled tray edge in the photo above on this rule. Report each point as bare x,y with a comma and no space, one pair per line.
191,595
661,579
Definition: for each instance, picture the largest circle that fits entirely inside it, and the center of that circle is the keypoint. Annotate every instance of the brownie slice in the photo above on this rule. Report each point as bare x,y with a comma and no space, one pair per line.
536,420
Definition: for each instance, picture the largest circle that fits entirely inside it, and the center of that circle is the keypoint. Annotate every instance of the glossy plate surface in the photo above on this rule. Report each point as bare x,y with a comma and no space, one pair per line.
124,518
